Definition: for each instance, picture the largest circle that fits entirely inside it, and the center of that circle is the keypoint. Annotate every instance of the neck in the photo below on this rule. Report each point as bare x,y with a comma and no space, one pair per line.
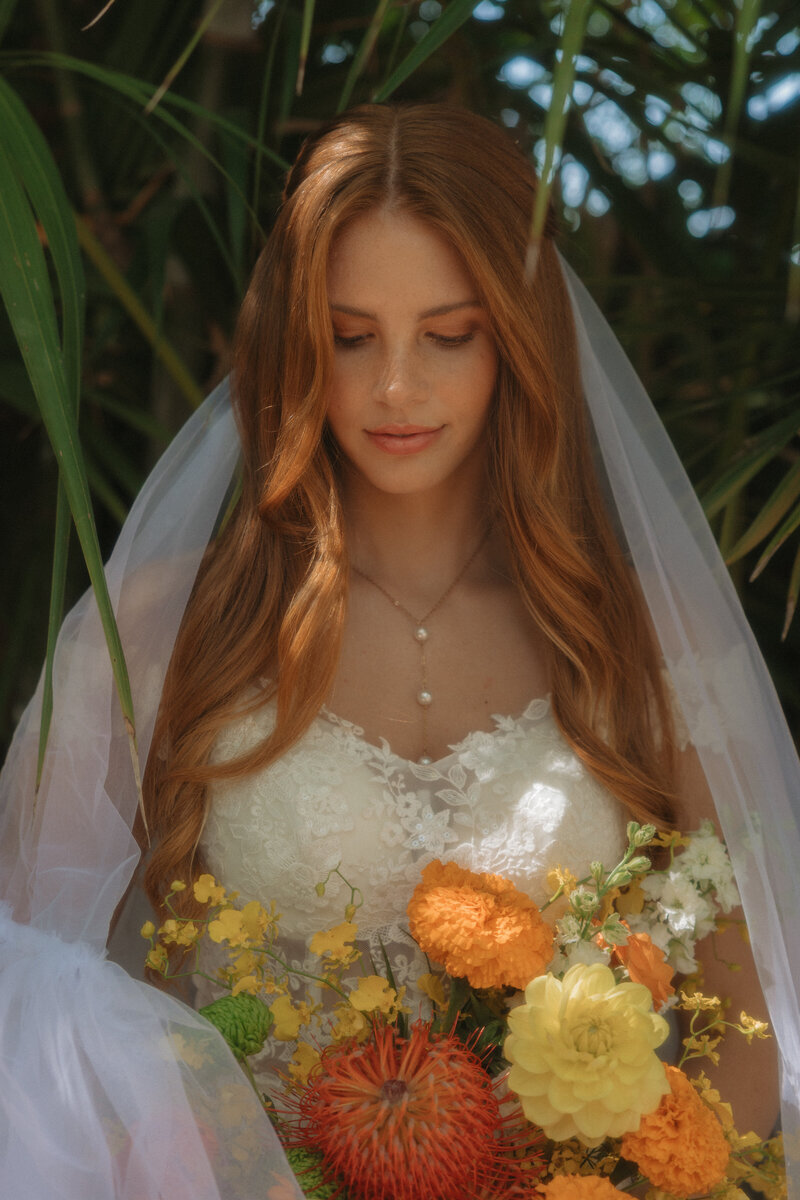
414,545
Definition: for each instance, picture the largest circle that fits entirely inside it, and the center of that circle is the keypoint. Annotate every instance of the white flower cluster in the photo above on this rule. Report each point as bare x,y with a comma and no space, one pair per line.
571,947
684,901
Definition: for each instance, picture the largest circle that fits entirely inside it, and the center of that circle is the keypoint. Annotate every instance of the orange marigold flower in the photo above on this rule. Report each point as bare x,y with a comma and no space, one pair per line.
681,1147
414,1118
646,964
479,926
580,1187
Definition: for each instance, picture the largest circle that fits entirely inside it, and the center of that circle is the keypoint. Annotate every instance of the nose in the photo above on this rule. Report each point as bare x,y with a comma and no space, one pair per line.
401,380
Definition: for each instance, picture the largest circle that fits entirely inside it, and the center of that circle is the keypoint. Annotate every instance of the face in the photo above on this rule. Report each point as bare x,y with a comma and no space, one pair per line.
414,362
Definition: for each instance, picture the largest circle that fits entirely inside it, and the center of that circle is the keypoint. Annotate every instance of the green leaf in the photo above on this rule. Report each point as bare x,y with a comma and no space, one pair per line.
236,160
119,285
28,297
761,450
29,151
791,598
788,527
139,92
263,103
305,42
362,54
453,17
747,13
104,491
172,74
774,508
27,148
136,418
100,448
575,17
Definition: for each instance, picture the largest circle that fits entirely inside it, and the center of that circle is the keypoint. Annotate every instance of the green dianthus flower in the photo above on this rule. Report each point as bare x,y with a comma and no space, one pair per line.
244,1021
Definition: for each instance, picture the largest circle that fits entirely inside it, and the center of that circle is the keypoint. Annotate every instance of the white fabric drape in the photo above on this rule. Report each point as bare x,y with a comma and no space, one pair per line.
725,693
110,1089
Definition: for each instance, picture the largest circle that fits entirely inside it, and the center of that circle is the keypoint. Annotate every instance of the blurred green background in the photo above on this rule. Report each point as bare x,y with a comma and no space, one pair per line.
145,155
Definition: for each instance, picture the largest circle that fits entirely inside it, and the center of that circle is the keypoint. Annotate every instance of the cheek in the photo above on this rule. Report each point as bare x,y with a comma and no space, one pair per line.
479,384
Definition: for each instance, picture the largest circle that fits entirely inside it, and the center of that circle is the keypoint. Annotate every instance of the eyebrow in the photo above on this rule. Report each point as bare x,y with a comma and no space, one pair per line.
439,311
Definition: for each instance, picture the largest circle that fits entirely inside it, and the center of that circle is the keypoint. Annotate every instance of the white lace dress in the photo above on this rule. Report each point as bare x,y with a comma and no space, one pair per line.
515,801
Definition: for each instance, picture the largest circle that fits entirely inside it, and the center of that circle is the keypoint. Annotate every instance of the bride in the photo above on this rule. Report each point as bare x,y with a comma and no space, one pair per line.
465,607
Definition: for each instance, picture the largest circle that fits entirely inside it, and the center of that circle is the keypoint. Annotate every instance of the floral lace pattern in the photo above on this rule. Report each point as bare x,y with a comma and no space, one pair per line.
515,801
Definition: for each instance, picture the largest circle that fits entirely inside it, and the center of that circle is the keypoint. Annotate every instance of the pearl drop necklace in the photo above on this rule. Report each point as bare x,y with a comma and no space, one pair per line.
421,634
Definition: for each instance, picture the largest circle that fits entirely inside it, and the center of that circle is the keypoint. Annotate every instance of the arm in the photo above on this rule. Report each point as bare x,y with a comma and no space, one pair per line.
747,1075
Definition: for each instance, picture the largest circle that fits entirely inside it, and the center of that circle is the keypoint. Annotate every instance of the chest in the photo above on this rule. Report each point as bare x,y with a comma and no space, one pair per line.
514,801
421,682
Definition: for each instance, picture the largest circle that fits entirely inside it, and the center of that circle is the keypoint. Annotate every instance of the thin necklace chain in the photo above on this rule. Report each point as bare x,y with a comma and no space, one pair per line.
424,697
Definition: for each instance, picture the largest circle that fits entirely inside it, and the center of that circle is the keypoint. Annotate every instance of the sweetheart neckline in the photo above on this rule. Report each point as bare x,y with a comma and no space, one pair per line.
503,723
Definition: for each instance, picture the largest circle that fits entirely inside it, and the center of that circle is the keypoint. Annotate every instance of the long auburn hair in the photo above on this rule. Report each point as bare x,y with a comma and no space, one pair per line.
270,598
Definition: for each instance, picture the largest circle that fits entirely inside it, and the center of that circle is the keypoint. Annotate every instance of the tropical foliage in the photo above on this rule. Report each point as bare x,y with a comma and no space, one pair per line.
141,161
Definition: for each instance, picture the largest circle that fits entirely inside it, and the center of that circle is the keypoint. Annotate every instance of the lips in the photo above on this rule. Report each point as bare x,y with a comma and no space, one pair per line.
403,439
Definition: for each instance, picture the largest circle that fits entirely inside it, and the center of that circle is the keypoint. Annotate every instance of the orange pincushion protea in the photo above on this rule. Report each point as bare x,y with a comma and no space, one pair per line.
479,927
414,1118
680,1147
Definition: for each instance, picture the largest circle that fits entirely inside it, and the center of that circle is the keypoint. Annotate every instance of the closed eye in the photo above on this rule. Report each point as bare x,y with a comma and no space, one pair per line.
349,342
448,342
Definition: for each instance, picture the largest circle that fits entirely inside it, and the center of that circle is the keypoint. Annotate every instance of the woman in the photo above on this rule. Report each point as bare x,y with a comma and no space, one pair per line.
422,541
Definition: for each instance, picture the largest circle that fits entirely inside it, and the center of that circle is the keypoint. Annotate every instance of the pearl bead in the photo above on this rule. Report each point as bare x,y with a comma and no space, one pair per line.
421,634
424,698
426,760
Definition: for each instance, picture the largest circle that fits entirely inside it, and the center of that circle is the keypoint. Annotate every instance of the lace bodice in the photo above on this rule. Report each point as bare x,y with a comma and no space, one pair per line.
515,801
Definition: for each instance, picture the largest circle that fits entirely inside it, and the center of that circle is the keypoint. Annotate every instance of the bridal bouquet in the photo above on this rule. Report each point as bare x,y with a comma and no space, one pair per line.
536,1072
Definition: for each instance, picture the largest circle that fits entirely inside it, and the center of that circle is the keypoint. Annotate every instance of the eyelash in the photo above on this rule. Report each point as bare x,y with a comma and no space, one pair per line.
446,343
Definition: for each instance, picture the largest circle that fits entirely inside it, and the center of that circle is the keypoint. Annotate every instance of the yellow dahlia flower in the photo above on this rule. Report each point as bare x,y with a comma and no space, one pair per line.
582,1054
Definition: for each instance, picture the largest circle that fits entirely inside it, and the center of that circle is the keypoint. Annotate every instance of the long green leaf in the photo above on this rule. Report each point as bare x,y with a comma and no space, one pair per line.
102,449
187,52
104,491
771,512
788,527
453,17
762,449
140,91
747,13
305,42
133,306
263,103
364,50
28,149
576,15
129,414
28,298
397,40
792,595
236,163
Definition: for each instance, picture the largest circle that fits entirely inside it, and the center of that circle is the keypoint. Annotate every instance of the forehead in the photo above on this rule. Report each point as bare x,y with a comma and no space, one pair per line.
386,255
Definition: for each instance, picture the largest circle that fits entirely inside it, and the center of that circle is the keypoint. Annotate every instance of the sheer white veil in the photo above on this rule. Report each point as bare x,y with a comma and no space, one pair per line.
109,1088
